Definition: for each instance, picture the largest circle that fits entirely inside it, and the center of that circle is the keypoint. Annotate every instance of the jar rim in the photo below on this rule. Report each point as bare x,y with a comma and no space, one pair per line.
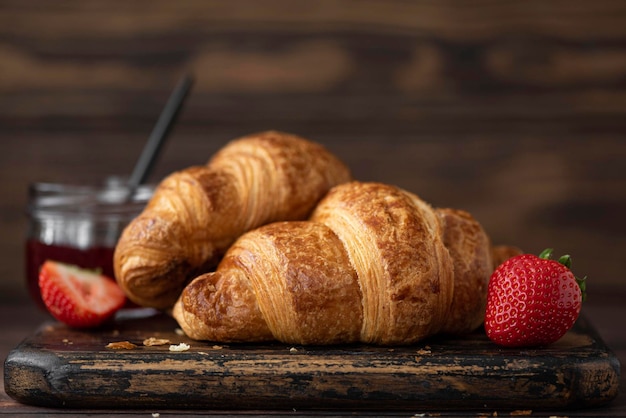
110,198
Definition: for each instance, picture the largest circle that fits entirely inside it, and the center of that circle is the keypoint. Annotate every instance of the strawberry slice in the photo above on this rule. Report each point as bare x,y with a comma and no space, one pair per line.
78,297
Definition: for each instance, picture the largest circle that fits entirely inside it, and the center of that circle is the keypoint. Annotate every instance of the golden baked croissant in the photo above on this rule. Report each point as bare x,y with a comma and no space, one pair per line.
374,264
501,253
196,213
471,253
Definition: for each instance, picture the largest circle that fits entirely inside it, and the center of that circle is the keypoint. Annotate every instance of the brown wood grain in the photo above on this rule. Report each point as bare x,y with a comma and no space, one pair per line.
513,111
62,367
18,321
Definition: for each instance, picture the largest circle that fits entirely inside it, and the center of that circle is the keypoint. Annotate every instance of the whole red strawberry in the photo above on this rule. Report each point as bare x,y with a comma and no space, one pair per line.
78,297
532,300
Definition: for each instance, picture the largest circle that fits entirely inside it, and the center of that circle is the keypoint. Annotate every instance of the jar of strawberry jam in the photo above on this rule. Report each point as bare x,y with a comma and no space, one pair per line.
78,225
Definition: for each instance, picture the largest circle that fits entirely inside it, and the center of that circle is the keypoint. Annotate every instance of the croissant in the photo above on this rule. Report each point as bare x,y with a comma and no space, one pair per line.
373,264
195,214
472,259
501,253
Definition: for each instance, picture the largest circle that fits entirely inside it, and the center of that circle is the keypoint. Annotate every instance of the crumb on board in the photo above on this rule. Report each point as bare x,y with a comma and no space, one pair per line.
521,412
152,341
179,347
217,347
179,331
121,345
293,350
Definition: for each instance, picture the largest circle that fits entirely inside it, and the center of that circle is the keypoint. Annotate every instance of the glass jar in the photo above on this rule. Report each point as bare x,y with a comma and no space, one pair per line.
78,225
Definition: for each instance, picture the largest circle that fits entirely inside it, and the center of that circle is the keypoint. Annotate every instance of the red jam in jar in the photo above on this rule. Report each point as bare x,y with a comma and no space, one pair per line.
78,225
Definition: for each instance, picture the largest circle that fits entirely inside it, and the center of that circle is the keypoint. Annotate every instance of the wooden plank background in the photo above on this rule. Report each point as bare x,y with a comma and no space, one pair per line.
515,111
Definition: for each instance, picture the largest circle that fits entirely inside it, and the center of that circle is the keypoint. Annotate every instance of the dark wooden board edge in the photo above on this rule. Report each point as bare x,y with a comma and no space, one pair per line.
61,367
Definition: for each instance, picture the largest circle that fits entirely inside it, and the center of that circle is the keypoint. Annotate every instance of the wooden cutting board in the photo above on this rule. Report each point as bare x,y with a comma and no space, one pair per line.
61,367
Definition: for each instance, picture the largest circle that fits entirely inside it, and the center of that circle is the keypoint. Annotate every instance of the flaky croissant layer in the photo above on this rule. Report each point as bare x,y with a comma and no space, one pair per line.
373,264
197,213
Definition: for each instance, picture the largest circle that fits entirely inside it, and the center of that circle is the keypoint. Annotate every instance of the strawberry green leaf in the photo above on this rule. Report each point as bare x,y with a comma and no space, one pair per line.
546,254
582,283
566,260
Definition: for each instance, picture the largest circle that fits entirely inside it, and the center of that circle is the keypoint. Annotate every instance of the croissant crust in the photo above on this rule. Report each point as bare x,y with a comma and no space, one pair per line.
374,264
272,240
197,213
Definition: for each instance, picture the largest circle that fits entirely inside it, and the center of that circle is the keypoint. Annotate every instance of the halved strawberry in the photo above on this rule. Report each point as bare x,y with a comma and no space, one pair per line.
78,297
